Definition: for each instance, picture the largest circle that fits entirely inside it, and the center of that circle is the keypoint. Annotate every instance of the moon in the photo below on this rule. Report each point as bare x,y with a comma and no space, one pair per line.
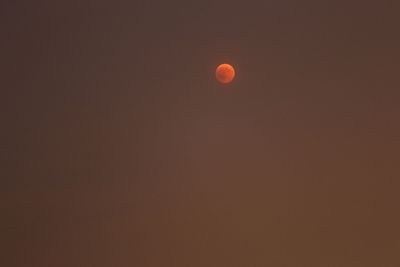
225,73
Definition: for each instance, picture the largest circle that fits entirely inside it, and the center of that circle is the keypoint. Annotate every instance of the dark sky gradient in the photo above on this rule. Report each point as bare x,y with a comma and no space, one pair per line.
121,149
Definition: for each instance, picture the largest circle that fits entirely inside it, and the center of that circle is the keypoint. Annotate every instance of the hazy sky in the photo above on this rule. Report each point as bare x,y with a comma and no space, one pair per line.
119,147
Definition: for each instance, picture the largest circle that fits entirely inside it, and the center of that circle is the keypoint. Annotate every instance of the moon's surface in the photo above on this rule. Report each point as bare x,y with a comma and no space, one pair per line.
225,73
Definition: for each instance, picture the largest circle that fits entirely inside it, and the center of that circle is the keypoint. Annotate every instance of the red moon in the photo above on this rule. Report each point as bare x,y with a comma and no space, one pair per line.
225,73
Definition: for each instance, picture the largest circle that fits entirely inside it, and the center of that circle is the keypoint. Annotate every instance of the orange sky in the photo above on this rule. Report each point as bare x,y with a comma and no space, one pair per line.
119,148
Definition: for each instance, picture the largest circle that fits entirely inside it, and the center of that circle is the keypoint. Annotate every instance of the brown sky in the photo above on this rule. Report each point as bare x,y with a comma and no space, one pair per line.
119,148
